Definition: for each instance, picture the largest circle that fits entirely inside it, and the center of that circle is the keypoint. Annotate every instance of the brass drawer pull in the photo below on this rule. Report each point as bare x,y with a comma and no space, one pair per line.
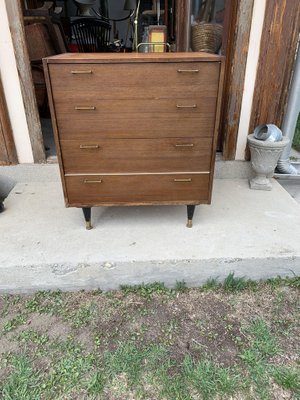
87,181
85,108
89,146
78,72
183,180
185,145
192,71
191,106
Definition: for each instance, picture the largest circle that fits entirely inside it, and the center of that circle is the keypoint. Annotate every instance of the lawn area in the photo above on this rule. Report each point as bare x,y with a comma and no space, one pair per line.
238,340
296,141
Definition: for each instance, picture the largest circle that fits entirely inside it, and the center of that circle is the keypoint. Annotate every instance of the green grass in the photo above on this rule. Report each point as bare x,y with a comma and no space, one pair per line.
23,382
210,379
236,284
296,140
210,284
13,323
224,340
145,290
288,378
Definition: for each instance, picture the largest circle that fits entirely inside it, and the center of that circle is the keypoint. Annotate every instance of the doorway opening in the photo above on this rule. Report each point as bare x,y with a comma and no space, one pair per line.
59,26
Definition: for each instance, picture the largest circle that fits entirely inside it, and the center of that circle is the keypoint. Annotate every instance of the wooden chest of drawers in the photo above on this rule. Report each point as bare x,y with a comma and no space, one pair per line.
135,129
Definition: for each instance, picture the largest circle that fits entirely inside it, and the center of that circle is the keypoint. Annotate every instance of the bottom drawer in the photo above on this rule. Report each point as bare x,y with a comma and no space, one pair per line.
92,190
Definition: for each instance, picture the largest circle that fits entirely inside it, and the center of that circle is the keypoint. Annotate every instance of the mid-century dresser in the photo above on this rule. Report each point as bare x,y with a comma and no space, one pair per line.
135,129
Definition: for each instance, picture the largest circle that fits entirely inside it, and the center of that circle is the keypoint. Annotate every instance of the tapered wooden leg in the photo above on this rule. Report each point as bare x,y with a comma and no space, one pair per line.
87,217
190,214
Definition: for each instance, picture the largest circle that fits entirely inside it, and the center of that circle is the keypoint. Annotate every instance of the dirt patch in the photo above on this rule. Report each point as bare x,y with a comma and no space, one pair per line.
279,393
265,304
192,323
7,346
50,325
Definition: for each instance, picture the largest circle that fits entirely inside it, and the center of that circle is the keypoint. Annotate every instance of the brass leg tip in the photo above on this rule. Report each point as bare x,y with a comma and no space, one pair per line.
88,225
189,223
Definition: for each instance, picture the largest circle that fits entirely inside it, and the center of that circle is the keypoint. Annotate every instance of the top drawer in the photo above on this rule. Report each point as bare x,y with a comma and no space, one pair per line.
150,80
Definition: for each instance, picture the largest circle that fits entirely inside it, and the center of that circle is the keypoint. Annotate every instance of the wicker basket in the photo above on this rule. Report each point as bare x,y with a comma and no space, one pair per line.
207,37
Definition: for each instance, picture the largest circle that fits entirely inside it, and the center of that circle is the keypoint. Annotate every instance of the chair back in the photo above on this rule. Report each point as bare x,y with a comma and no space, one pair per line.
91,35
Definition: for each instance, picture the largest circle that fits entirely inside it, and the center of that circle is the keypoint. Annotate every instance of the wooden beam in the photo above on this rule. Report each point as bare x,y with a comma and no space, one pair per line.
230,18
236,59
8,153
15,18
183,28
277,55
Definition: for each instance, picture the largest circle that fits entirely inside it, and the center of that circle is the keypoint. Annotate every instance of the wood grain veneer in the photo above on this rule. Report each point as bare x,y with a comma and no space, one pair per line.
134,126
143,189
121,137
136,155
86,76
67,104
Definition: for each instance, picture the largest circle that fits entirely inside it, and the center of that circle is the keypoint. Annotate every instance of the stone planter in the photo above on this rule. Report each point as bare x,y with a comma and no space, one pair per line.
264,158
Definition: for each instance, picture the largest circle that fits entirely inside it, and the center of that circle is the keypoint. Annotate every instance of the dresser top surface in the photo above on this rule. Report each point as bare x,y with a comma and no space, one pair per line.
114,58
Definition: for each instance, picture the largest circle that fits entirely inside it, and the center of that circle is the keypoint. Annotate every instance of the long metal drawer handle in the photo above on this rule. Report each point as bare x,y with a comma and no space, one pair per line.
85,108
89,71
87,181
192,71
190,106
183,180
185,145
89,146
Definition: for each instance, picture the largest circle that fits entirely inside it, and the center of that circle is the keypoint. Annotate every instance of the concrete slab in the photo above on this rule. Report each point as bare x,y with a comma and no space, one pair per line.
44,245
10,175
292,186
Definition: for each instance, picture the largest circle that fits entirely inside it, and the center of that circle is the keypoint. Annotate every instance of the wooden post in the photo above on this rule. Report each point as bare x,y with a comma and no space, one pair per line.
8,153
277,55
15,18
236,59
183,25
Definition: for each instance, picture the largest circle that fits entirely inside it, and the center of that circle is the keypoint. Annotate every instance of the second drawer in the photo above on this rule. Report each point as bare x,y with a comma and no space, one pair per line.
136,155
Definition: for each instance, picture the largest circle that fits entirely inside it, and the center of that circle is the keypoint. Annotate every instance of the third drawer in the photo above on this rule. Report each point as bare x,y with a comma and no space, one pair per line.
136,155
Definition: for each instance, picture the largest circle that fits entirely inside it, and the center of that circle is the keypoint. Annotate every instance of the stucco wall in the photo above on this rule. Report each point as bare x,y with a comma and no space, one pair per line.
12,90
250,76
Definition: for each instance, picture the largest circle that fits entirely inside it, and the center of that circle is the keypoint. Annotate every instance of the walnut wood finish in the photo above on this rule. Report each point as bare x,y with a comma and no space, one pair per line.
132,130
134,126
132,58
91,190
136,155
141,92
133,77
179,105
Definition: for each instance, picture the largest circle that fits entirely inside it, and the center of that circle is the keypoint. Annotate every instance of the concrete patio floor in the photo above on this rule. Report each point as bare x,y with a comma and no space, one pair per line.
43,245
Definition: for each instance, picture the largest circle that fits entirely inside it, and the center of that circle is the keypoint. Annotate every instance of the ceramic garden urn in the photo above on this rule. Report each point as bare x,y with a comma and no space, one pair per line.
266,145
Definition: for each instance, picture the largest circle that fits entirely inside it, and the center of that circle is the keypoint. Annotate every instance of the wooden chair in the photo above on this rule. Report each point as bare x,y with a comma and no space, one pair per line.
91,35
44,38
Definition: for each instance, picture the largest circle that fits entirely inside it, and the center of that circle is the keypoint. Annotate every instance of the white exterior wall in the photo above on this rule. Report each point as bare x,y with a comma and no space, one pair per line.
12,90
250,76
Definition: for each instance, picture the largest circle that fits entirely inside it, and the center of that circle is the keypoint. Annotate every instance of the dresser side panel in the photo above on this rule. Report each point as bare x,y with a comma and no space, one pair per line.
55,129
